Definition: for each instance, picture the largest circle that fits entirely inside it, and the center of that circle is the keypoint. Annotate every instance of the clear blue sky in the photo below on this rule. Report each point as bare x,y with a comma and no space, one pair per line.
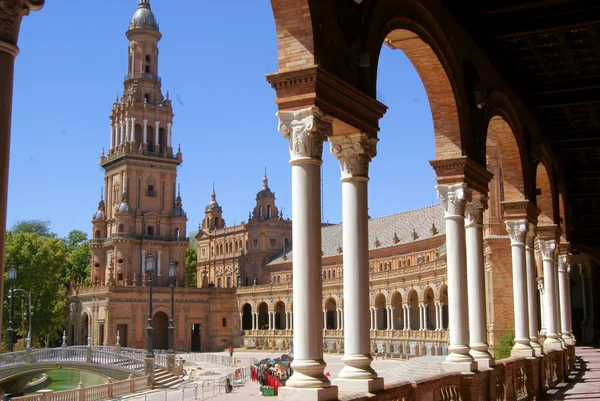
213,57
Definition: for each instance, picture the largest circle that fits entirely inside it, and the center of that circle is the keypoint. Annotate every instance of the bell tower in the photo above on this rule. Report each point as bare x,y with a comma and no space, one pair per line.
142,211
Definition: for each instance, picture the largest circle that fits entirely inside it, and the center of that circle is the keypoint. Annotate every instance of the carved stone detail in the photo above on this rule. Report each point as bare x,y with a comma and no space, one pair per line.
548,249
306,130
530,238
474,210
354,152
562,262
454,197
517,230
11,14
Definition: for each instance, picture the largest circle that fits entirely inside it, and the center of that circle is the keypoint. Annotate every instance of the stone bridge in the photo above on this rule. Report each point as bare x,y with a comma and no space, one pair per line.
115,362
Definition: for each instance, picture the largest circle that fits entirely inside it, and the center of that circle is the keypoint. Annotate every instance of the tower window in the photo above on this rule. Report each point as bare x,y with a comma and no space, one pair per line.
147,68
147,98
269,212
260,211
150,230
151,191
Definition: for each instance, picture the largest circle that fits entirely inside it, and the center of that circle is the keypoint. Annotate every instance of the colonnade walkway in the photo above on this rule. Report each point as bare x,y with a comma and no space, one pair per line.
584,381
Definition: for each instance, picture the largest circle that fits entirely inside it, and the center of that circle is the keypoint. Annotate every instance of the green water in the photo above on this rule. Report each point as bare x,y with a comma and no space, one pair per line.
64,379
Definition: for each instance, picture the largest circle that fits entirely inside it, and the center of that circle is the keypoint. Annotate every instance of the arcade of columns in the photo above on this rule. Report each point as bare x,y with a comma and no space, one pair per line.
464,202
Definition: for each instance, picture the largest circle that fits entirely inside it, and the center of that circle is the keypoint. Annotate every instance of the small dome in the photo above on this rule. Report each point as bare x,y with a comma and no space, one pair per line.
213,206
100,212
144,17
178,209
125,208
265,191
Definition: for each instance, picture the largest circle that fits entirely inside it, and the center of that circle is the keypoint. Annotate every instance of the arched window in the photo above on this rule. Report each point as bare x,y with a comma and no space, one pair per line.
147,67
216,222
121,228
177,233
260,211
269,213
97,234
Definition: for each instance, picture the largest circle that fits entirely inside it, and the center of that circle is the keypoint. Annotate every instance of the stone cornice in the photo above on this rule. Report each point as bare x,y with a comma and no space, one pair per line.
548,232
520,210
11,14
313,86
462,170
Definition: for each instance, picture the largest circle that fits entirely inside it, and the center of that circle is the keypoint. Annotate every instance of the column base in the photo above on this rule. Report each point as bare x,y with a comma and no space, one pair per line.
466,366
481,355
485,363
568,340
552,343
359,385
308,394
537,348
524,351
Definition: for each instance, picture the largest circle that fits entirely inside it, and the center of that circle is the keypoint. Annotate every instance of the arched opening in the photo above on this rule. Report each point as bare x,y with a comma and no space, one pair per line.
137,135
444,306
162,143
121,228
85,327
177,233
97,234
331,314
269,212
148,65
160,331
279,316
413,305
544,196
216,222
381,312
428,299
150,138
398,323
247,317
260,211
263,316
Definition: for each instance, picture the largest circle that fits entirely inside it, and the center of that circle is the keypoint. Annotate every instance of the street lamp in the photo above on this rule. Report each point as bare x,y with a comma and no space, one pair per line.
12,277
172,278
149,270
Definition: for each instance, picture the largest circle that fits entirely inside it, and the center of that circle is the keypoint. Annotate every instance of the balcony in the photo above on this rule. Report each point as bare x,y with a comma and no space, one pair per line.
99,241
142,75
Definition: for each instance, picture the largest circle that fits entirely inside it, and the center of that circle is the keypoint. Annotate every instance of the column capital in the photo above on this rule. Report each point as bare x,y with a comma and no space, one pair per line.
305,130
354,152
517,230
530,237
454,197
563,260
11,14
474,210
548,248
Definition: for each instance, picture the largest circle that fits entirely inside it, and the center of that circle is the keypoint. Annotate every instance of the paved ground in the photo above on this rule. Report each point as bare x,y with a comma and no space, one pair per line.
584,382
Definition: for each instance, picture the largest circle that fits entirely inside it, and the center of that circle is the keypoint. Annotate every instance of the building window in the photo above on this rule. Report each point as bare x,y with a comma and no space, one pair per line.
219,282
150,191
260,211
150,230
224,322
269,212
121,228
147,68
228,282
146,98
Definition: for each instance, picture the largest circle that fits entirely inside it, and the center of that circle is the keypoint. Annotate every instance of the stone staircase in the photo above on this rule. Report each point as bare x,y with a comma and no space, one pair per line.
419,367
162,378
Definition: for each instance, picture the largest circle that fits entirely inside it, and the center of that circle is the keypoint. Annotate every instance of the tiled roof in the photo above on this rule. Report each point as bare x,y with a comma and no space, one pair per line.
382,230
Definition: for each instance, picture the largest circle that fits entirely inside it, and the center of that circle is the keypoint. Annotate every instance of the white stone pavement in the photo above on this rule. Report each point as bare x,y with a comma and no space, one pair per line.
385,368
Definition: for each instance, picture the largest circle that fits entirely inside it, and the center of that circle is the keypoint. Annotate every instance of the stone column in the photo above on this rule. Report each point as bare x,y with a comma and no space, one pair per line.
375,322
564,304
532,307
542,305
548,247
324,319
145,138
476,282
122,129
11,13
517,230
112,136
558,300
169,135
132,138
241,321
420,317
306,130
142,270
127,130
158,263
408,314
569,310
392,318
371,318
156,129
454,198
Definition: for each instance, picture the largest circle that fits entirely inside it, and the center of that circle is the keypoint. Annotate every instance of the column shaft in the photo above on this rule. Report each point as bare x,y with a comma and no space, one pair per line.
542,305
517,229
454,198
132,138
127,131
476,282
112,136
548,247
145,139
122,126
564,304
156,130
532,307
392,318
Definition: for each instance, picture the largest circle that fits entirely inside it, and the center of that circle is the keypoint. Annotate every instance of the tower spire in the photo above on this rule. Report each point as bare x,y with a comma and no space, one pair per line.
265,180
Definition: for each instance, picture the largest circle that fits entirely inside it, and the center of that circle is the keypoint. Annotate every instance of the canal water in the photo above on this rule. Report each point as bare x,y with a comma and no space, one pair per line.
64,379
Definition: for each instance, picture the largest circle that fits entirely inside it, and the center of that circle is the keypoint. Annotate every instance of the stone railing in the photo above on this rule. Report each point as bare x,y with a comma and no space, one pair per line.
92,393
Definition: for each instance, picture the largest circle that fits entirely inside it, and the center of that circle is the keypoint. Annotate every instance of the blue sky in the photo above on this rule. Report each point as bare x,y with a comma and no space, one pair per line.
213,58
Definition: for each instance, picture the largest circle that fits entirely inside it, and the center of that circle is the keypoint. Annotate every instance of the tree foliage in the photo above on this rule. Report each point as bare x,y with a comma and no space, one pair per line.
39,227
191,272
80,257
40,261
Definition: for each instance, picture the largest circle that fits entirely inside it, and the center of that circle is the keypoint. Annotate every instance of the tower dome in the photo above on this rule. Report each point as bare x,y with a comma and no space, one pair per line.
265,191
144,17
213,206
100,212
178,209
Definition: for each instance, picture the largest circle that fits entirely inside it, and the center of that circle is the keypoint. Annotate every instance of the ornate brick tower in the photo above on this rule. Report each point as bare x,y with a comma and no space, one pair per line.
141,213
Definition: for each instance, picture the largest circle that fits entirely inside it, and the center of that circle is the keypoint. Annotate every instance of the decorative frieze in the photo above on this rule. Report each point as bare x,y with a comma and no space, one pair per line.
354,152
306,130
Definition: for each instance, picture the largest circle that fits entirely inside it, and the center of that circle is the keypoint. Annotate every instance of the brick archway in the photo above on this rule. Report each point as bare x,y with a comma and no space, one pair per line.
544,195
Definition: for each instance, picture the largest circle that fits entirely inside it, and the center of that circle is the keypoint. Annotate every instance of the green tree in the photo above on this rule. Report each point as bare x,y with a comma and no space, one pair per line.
39,227
80,258
39,261
74,239
191,270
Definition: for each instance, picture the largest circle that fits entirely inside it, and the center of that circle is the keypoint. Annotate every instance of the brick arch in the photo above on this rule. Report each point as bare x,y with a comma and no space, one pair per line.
377,295
409,293
501,141
413,29
295,39
443,287
333,298
561,215
544,194
424,292
396,293
243,304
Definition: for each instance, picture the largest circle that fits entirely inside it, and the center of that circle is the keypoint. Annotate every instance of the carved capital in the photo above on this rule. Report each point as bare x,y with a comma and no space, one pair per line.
305,130
517,230
563,260
474,210
454,197
548,249
11,14
354,152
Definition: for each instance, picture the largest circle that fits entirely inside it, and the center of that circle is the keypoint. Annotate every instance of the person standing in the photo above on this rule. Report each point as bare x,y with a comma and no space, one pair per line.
231,351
